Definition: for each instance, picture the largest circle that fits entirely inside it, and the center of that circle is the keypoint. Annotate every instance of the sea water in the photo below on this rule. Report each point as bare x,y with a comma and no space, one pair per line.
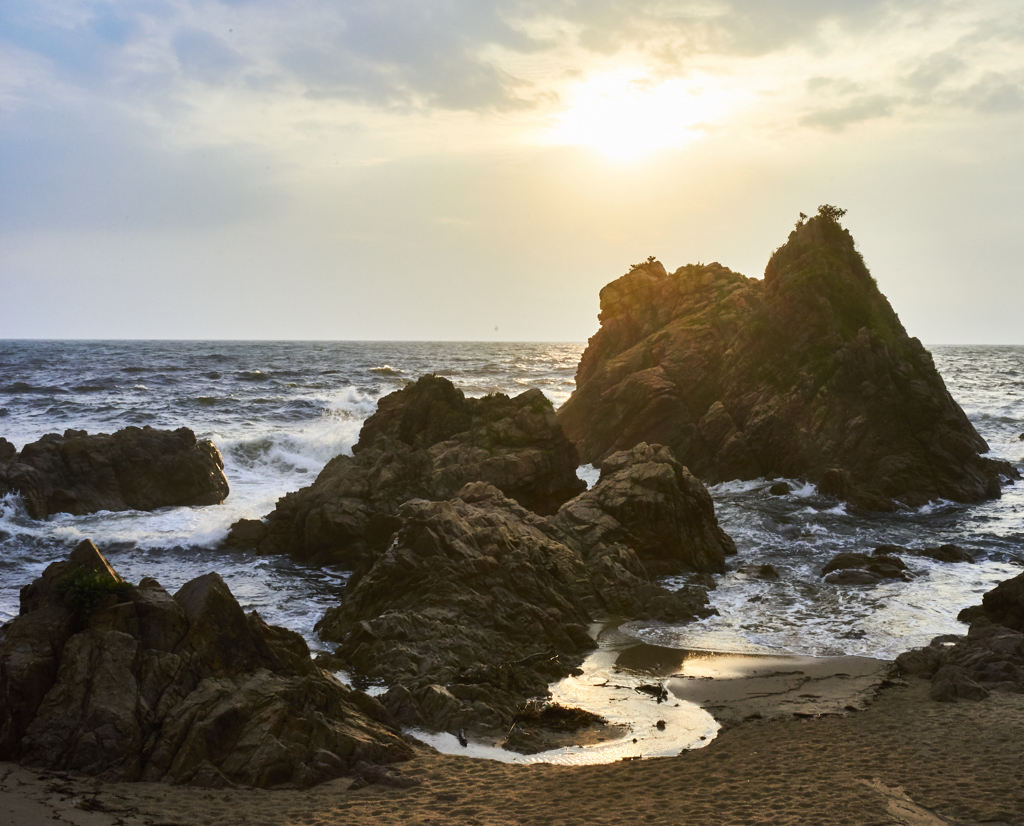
278,411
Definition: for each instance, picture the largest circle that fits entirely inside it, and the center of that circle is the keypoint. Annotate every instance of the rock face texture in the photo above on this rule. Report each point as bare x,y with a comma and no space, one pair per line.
479,603
807,373
132,469
424,441
989,658
130,683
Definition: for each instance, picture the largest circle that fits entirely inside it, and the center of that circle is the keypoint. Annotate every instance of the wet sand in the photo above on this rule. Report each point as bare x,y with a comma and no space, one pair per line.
902,760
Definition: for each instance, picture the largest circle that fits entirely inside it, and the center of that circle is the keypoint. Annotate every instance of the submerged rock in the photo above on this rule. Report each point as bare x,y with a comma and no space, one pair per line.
807,373
129,683
424,441
132,469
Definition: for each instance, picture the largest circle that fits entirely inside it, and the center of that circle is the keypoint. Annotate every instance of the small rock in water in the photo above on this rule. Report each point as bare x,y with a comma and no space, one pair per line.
780,489
767,571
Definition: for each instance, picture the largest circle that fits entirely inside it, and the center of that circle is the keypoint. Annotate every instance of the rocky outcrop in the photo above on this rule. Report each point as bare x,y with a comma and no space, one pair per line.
1003,605
989,658
132,469
424,441
807,373
478,603
649,502
862,569
129,683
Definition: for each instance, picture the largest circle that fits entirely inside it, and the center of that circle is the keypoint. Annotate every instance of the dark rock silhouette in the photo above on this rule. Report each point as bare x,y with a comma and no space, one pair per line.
477,603
424,441
132,469
806,374
989,658
1003,605
129,683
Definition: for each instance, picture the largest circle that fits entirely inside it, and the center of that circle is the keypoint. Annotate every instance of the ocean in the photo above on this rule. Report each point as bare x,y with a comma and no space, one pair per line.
279,411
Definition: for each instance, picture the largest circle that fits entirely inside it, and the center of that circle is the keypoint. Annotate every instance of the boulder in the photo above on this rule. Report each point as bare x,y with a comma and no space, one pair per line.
129,683
649,502
806,374
1003,605
861,569
424,441
132,469
989,658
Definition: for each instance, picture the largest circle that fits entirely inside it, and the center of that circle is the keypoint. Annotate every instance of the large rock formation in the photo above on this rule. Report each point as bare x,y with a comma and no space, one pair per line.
424,441
807,373
478,603
130,683
132,469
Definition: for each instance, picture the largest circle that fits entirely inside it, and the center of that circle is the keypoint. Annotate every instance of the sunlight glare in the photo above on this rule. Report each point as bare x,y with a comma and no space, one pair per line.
624,114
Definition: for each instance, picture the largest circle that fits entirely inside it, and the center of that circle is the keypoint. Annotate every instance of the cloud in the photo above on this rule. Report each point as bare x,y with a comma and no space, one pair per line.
995,93
204,55
856,110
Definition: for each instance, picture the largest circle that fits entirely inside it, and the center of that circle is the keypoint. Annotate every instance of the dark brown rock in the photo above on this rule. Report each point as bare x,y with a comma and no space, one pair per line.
187,689
647,501
990,658
1003,605
425,441
132,469
861,569
807,373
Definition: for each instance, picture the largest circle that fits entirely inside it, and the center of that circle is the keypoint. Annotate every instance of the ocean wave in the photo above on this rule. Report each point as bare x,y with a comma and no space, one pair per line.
386,370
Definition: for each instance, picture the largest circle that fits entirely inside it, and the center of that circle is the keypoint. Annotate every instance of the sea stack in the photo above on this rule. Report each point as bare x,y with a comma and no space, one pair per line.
807,373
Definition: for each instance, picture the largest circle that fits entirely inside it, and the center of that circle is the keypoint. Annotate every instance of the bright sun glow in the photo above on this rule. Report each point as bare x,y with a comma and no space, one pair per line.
625,114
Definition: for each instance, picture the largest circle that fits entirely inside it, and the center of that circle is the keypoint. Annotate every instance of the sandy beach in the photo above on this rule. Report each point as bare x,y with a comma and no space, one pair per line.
903,759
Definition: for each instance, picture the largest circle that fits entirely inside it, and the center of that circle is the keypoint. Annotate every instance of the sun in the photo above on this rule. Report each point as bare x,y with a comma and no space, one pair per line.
625,114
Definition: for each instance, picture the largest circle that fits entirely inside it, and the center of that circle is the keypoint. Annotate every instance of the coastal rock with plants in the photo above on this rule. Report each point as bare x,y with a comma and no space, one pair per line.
806,374
130,683
424,441
136,468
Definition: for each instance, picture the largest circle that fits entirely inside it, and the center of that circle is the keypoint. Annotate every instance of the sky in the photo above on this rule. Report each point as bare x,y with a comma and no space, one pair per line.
479,169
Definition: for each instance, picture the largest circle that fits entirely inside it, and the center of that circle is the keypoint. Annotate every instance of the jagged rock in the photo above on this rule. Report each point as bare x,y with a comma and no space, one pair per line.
805,374
861,569
647,501
132,469
137,685
990,658
424,441
478,603
1003,605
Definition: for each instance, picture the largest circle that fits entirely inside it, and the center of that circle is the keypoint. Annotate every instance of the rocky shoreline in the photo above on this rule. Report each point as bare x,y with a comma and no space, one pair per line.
481,563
